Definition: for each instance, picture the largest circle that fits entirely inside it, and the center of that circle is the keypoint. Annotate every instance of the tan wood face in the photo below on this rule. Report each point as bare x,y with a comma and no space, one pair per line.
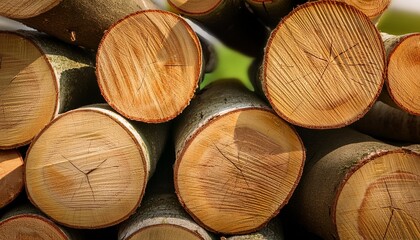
324,65
149,65
25,8
195,6
234,175
11,176
28,90
163,232
30,228
85,170
381,200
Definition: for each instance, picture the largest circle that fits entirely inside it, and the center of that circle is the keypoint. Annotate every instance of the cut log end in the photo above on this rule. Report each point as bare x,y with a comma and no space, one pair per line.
381,199
324,65
149,65
403,71
194,6
240,169
30,227
25,8
87,169
372,8
11,176
28,90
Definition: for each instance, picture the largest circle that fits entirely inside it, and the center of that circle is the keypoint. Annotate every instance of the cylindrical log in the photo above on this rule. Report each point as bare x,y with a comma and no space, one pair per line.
89,167
11,176
324,65
162,217
273,231
384,121
371,8
271,11
39,78
230,21
149,65
355,187
237,162
402,84
25,222
73,21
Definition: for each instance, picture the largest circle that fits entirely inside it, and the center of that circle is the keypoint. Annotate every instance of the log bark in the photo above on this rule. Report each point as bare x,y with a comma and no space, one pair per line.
403,69
384,121
324,65
149,65
162,217
230,21
11,176
271,11
76,22
40,78
26,222
356,187
237,162
89,167
273,231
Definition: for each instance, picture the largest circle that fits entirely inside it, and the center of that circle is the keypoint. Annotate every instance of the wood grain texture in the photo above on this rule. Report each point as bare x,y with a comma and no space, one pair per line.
237,162
324,65
402,82
11,176
89,167
25,8
354,186
40,77
149,65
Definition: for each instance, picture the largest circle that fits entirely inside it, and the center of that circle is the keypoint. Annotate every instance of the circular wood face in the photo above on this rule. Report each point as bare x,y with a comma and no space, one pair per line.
149,65
25,8
28,90
381,200
195,6
163,232
235,175
403,74
324,65
86,170
11,176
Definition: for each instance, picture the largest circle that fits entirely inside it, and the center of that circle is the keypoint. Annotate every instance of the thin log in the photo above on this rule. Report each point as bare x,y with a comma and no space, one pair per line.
162,217
324,65
384,121
271,11
356,187
403,70
76,22
11,176
40,78
89,167
25,222
149,65
230,21
237,162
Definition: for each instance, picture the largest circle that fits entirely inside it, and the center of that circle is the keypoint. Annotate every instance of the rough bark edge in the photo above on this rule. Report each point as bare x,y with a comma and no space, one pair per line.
133,138
199,73
395,42
192,136
264,66
371,157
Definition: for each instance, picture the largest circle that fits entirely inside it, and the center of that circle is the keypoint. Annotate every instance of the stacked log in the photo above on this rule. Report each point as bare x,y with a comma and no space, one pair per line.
11,176
354,186
40,78
402,72
237,162
27,222
324,65
76,22
142,59
89,167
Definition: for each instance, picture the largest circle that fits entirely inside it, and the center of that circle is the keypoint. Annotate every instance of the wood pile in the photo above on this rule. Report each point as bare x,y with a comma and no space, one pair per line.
107,132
